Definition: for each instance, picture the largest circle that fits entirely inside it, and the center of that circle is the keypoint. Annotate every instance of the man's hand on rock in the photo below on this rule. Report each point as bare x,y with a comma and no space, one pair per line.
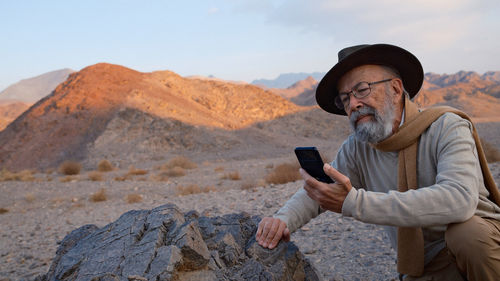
271,231
329,196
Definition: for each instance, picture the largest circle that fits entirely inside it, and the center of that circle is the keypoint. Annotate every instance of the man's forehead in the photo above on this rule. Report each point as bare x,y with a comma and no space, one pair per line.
359,74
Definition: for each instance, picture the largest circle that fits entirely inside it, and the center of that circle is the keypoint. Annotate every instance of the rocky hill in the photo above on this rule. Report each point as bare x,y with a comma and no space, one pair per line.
65,124
10,110
33,89
468,91
300,92
477,95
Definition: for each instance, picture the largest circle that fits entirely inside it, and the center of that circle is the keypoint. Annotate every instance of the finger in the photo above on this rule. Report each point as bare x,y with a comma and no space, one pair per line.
304,174
278,235
309,180
272,232
334,174
259,230
262,231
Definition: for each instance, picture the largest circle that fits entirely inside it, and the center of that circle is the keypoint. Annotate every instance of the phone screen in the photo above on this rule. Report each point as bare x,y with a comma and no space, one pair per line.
311,161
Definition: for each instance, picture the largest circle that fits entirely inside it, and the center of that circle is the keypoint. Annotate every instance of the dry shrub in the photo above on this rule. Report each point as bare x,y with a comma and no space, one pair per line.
180,161
219,169
70,168
232,176
68,179
104,166
25,175
99,196
161,176
193,189
284,173
96,176
5,175
136,172
134,198
269,166
490,151
175,172
123,178
29,197
3,210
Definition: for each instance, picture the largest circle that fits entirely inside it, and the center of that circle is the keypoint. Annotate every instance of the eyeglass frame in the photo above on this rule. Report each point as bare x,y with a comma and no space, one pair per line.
338,102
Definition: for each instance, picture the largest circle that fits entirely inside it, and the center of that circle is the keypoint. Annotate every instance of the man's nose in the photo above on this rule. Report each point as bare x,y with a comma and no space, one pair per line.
354,103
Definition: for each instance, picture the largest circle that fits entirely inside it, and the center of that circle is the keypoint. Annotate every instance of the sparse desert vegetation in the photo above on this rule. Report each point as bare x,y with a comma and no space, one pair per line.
25,175
193,189
99,196
104,166
235,175
96,176
180,161
3,211
136,172
284,173
134,198
176,167
175,172
70,168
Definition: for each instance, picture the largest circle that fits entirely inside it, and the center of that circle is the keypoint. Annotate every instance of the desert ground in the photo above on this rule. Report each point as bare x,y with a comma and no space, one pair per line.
40,212
229,139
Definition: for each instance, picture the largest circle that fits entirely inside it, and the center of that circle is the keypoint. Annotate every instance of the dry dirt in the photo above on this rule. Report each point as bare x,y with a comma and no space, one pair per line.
131,118
41,213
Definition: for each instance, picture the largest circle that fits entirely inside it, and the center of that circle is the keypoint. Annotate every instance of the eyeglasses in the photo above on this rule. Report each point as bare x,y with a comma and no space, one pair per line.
361,90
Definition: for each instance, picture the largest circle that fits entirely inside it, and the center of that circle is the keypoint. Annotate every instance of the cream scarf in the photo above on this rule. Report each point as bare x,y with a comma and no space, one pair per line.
405,140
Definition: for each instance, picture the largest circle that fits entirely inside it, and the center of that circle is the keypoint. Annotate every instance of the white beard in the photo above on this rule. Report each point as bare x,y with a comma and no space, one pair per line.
373,131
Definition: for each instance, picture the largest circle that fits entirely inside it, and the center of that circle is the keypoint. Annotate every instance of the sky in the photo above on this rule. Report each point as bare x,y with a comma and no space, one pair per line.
241,40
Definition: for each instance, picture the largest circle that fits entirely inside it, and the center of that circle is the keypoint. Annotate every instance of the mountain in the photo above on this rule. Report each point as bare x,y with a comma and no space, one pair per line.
33,89
79,114
10,110
475,94
287,79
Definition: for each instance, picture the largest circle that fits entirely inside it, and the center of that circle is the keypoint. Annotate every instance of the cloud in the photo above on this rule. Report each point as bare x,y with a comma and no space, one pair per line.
441,30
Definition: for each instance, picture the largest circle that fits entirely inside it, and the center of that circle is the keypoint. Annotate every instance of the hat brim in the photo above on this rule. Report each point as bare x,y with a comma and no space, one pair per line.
407,64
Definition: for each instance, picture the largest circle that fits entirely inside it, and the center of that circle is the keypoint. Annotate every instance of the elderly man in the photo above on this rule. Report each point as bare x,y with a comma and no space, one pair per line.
422,174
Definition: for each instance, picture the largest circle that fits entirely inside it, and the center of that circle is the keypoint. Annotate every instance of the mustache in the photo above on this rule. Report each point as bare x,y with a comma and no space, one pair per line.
366,110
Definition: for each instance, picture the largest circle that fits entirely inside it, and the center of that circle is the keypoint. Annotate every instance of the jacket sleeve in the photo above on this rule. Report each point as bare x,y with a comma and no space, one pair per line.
453,196
300,208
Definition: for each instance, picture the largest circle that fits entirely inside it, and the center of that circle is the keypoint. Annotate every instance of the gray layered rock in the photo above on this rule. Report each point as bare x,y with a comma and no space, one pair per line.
165,244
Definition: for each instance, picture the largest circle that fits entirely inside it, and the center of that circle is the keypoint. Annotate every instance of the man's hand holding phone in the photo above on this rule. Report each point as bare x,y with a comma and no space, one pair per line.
329,196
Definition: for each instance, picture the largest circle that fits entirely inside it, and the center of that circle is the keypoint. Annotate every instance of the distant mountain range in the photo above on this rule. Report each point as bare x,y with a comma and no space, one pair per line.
33,89
110,111
466,90
287,79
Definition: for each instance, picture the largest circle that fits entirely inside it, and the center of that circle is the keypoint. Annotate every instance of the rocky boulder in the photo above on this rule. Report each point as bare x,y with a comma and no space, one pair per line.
166,244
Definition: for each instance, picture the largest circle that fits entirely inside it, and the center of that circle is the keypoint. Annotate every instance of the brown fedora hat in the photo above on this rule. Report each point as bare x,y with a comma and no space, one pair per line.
406,63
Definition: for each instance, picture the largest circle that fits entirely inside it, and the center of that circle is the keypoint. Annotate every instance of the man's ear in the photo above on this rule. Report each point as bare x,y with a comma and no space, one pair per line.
397,86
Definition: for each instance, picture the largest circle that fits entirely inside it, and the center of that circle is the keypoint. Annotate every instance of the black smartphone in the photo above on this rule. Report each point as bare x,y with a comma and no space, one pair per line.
311,161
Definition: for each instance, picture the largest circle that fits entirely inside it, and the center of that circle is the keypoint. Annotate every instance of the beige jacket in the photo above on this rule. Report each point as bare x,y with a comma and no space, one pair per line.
451,187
